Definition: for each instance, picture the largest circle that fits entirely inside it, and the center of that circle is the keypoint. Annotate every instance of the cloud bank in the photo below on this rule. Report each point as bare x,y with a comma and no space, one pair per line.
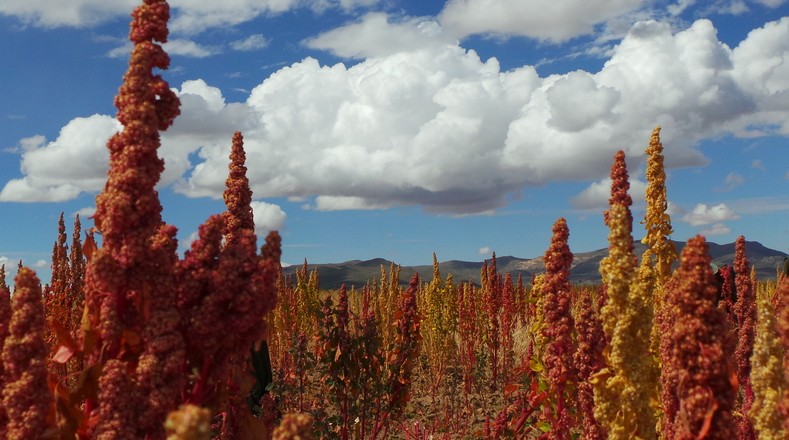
536,18
189,16
430,124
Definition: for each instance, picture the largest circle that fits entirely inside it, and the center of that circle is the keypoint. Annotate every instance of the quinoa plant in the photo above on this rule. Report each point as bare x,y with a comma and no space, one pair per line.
405,349
695,353
26,397
5,320
558,330
588,359
491,301
509,316
469,335
782,327
438,328
745,309
768,375
626,387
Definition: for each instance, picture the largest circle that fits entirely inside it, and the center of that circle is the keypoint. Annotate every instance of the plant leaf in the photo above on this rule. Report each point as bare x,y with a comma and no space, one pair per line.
63,354
89,247
544,426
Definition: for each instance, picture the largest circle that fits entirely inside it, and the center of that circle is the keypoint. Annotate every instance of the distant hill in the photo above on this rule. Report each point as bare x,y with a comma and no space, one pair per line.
585,269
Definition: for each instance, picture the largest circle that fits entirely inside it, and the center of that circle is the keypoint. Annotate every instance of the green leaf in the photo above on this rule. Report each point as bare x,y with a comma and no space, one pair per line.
544,426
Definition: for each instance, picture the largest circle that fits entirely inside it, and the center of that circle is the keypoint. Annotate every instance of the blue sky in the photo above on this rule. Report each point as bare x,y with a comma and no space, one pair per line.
399,128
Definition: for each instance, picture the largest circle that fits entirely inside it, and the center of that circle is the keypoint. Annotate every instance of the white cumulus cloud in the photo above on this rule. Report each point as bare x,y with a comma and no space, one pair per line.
377,34
703,214
75,162
268,217
759,58
554,21
577,102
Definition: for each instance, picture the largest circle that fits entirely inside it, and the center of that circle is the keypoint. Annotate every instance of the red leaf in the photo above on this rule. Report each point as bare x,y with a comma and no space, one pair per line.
64,337
63,354
511,388
89,247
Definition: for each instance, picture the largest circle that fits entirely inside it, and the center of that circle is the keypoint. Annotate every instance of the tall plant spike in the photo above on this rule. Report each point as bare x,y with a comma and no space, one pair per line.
624,390
767,372
660,255
559,325
76,279
5,320
130,284
405,350
746,318
5,310
782,327
128,212
26,397
237,195
696,352
657,221
588,358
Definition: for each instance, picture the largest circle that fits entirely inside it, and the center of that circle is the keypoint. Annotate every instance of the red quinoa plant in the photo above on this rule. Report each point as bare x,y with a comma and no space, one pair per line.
491,297
26,397
130,285
64,302
405,349
149,331
745,309
5,320
509,315
588,358
704,386
469,335
335,358
558,330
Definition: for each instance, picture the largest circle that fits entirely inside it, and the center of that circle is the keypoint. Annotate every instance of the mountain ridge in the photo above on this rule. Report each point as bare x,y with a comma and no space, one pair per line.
585,268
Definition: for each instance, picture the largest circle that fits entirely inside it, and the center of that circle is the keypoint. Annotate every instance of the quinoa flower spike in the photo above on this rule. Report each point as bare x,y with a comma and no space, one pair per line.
26,398
704,384
559,325
130,281
624,390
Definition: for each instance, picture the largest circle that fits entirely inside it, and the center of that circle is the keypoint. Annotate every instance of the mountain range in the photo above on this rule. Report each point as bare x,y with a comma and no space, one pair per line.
585,268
